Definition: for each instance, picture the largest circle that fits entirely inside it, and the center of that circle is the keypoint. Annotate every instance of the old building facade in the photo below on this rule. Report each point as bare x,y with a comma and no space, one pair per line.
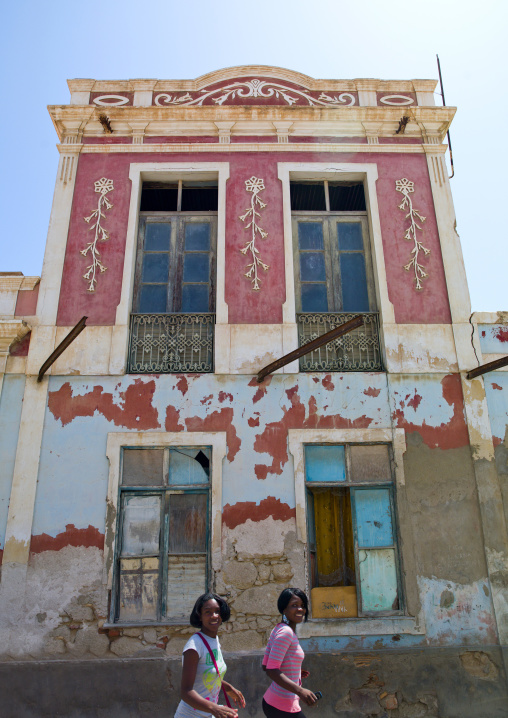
206,228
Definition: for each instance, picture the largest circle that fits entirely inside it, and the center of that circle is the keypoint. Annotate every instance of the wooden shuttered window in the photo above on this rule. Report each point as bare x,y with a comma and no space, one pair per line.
353,553
163,526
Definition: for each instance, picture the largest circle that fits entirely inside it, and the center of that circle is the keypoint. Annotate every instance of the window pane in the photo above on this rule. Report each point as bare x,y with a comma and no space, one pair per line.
325,463
155,268
139,589
378,580
152,299
373,517
197,236
143,467
187,523
334,537
354,283
370,463
186,581
314,298
141,525
346,198
196,268
189,466
310,235
157,236
195,298
350,235
312,266
308,196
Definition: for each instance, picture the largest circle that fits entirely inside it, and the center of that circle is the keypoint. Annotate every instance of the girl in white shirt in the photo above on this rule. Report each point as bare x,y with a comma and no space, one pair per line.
201,683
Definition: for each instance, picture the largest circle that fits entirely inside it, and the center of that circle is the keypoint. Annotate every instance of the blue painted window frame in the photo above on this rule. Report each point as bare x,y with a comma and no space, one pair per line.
353,487
165,491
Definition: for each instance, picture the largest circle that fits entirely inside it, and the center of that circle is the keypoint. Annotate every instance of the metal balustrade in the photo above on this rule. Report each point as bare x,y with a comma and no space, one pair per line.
171,343
359,350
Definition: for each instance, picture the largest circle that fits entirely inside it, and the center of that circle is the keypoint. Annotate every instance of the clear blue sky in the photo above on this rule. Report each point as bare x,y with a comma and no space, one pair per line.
44,43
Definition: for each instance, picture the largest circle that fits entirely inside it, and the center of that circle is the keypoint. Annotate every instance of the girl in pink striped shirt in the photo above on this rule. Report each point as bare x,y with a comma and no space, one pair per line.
283,660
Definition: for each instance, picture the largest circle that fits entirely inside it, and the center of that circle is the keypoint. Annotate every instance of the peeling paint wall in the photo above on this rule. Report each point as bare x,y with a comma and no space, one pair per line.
260,550
11,401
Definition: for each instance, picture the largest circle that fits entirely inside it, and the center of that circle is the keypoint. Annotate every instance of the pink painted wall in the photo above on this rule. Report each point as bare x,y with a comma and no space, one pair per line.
26,302
246,305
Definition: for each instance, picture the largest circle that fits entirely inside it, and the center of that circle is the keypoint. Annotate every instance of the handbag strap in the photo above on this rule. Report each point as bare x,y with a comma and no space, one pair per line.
215,666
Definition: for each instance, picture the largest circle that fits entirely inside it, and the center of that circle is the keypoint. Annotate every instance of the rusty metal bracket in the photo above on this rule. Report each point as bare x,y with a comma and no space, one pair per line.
71,336
484,368
314,344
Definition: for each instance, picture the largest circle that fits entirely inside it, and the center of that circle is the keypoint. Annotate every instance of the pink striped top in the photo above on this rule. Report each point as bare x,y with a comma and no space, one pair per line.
285,653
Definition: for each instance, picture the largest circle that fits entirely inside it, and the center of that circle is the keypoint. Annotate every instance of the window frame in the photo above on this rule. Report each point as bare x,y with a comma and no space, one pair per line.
118,441
140,172
165,491
412,622
178,221
330,222
353,487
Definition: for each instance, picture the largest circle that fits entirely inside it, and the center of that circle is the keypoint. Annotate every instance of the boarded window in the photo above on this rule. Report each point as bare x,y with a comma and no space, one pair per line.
353,556
162,548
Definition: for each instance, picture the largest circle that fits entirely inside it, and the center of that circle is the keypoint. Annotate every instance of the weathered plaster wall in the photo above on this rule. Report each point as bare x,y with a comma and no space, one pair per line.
245,305
496,391
11,401
66,601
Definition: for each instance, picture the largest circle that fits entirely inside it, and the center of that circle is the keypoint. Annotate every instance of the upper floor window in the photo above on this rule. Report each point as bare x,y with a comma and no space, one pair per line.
174,286
334,278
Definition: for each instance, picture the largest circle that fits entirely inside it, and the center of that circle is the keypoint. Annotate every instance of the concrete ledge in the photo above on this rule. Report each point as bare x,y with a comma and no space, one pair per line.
446,682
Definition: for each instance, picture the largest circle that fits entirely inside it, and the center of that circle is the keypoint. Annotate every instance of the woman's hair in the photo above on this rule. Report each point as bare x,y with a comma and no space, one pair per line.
285,598
195,617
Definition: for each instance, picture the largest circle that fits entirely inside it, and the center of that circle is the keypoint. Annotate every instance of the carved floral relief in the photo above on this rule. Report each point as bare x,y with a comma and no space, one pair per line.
102,187
254,185
406,188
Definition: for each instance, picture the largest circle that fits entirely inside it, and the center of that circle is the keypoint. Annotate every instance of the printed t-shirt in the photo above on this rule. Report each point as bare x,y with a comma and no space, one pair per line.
285,653
207,682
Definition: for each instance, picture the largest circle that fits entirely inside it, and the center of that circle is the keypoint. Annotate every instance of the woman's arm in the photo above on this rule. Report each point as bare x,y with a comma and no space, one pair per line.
276,675
192,697
234,694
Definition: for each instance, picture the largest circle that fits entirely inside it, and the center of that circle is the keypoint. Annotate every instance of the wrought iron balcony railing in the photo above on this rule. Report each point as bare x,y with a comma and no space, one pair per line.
359,350
171,343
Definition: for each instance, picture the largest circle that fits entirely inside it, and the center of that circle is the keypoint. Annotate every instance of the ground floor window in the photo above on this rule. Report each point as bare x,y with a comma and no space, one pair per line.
352,539
162,547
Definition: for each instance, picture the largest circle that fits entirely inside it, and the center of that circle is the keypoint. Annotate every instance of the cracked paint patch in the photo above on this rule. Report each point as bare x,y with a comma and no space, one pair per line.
261,388
70,537
172,422
372,392
239,513
182,385
429,411
218,421
457,612
134,410
328,383
273,440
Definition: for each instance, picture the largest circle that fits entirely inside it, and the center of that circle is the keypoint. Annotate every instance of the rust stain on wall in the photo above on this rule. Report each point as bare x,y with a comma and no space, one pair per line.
182,385
70,537
218,421
172,422
273,440
452,435
135,412
372,392
236,514
261,388
328,383
502,335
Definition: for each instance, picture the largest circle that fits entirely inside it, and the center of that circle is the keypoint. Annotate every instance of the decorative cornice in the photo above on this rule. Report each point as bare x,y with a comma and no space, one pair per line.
11,330
205,147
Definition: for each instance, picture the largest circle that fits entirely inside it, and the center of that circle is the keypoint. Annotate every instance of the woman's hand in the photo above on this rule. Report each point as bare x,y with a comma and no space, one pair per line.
307,696
223,711
305,674
234,695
